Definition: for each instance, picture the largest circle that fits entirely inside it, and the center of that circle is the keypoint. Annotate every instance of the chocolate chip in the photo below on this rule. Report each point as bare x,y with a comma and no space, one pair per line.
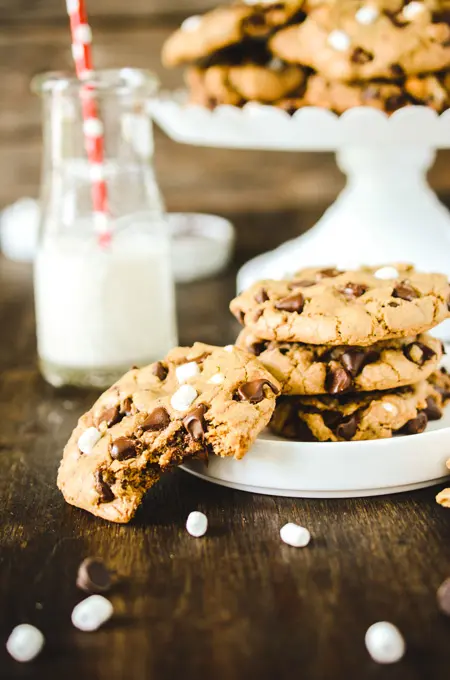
195,423
292,303
304,283
110,416
395,102
332,419
405,291
329,273
353,290
257,348
347,428
432,411
240,316
443,597
127,406
338,380
354,360
93,576
254,391
160,370
102,488
123,448
261,296
418,353
397,71
158,419
361,56
416,425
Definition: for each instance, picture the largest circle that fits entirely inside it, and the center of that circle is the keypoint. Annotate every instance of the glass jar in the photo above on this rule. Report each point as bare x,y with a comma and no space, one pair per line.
101,309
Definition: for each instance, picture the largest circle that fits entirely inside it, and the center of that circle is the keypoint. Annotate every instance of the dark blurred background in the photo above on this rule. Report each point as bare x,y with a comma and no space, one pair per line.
265,186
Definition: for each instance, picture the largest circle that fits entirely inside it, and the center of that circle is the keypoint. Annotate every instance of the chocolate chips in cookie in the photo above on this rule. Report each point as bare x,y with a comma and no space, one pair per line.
200,400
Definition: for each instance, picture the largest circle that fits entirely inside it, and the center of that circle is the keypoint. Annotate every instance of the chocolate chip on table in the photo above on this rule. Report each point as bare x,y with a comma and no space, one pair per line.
158,419
292,303
347,428
110,416
405,291
254,391
338,380
103,489
195,423
415,425
432,411
261,296
160,370
353,290
443,597
93,576
418,353
361,56
354,360
123,448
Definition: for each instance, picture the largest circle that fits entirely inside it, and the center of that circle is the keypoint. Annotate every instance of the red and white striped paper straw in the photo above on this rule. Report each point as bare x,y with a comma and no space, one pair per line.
92,125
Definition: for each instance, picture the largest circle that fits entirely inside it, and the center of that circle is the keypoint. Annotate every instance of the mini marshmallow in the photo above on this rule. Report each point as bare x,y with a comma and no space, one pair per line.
93,127
229,348
88,440
91,613
367,15
183,397
186,371
83,34
197,524
386,273
191,24
77,51
390,408
25,643
385,643
216,379
412,10
339,40
295,535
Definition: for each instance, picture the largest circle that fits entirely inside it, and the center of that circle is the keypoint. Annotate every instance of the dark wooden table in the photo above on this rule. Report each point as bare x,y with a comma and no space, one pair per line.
237,604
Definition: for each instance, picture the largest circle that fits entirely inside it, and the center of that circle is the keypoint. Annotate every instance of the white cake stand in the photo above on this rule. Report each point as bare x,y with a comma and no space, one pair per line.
386,213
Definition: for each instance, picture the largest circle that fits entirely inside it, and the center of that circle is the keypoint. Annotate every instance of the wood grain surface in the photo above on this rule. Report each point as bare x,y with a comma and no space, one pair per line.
234,605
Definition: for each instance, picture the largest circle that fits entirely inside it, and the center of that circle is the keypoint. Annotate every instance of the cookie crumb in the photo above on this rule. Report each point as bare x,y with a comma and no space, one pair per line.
385,643
295,535
197,524
92,613
25,643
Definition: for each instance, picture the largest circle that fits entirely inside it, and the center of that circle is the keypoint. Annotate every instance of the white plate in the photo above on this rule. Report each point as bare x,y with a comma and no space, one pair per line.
279,467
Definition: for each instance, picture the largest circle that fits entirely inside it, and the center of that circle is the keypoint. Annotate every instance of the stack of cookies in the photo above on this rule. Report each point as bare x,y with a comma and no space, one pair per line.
334,54
350,350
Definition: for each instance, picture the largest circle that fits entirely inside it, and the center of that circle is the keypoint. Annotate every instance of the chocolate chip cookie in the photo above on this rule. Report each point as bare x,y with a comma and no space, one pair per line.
318,369
199,400
385,96
201,36
355,41
237,85
376,415
327,306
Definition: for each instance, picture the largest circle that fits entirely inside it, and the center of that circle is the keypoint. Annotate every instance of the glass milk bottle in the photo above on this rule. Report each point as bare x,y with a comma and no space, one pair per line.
101,308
